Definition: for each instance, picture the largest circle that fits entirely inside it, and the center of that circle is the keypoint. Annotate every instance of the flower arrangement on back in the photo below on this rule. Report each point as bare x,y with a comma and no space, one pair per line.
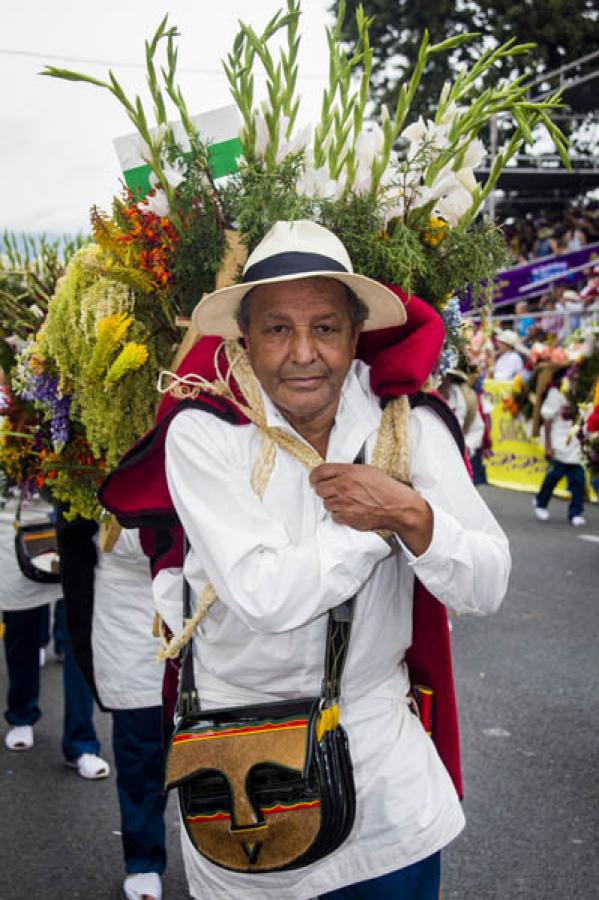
42,448
401,196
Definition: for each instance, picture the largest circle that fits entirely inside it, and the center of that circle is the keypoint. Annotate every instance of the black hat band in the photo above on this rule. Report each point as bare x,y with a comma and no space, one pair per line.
292,263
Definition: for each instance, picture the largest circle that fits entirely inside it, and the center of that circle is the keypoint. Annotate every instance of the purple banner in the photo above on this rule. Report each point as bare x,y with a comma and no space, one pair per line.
537,276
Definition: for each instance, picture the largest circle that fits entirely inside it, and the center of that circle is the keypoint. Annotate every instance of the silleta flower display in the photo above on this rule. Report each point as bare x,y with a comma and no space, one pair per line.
400,194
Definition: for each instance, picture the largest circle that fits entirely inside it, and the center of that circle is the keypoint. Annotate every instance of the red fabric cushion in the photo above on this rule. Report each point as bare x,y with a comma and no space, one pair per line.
402,358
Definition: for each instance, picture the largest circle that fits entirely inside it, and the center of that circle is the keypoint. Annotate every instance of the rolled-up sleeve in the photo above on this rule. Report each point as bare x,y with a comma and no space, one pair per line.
272,583
467,563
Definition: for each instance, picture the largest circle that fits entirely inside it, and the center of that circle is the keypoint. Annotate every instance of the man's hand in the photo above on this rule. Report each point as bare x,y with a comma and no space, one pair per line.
548,452
368,500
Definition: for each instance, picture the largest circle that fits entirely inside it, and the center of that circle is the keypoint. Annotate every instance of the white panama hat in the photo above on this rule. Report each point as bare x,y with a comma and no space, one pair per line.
508,337
290,251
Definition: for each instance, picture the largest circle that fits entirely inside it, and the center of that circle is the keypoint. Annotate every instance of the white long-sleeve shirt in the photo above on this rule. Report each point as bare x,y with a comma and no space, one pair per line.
508,365
566,446
17,592
127,672
476,432
278,565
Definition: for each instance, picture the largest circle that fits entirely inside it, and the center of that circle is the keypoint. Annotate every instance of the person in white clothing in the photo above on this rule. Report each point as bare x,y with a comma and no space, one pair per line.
563,452
24,605
128,679
508,362
462,400
279,563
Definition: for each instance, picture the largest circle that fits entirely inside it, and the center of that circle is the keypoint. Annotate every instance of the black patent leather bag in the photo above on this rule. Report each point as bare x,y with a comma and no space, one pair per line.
31,542
268,787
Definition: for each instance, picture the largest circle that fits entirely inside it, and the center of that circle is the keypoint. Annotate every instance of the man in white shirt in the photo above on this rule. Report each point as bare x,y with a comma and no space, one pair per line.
280,561
564,454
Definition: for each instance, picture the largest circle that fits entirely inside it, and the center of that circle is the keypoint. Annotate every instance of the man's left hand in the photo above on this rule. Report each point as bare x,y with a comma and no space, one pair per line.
369,500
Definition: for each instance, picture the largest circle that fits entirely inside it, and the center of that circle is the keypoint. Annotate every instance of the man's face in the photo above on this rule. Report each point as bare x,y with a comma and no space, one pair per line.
301,343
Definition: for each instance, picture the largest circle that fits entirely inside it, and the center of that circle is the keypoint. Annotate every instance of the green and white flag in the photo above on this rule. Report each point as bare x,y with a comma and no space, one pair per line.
218,128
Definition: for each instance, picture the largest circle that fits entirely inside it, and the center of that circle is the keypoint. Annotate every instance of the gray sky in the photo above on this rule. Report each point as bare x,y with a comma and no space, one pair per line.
56,137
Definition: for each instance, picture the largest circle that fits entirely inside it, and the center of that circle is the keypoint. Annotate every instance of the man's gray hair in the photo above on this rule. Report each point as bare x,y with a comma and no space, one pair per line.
358,311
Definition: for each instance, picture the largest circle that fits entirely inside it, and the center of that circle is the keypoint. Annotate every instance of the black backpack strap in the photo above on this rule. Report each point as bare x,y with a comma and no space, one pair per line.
442,409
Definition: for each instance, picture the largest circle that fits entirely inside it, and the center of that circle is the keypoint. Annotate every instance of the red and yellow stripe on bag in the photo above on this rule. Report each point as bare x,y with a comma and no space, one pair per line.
186,737
266,810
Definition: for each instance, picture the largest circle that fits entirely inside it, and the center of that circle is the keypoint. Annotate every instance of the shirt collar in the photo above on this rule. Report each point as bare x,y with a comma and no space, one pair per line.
358,416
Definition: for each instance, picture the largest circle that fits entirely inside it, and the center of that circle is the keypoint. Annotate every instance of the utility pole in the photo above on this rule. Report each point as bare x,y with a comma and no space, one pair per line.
493,153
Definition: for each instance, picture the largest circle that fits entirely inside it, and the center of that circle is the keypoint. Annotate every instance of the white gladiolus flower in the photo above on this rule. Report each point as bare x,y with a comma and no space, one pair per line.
370,144
157,139
420,133
415,132
474,154
449,114
452,193
394,211
363,180
316,183
158,204
296,143
454,204
369,147
466,178
444,183
173,175
262,135
444,92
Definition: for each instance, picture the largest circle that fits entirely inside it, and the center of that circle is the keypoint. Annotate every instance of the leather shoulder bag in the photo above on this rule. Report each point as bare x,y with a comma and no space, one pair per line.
268,787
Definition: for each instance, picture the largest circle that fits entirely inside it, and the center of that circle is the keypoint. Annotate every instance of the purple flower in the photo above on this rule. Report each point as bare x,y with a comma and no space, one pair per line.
43,389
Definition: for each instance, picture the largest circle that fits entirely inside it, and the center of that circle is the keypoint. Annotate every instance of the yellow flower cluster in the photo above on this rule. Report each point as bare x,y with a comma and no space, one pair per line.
131,357
435,232
103,354
109,334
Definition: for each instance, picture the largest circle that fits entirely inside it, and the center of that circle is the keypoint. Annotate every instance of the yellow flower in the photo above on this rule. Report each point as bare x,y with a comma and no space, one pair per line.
435,231
113,327
110,332
131,357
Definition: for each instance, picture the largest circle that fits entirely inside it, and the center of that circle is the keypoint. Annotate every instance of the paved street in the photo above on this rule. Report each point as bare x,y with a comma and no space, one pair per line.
529,708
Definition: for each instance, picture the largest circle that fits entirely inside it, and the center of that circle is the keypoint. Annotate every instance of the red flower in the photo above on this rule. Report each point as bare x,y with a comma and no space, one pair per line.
593,421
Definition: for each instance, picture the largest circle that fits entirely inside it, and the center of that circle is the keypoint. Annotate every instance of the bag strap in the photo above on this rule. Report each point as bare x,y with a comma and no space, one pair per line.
337,644
188,700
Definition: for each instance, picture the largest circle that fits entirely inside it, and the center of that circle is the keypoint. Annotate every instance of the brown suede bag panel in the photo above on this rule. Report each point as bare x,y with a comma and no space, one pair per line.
288,835
234,756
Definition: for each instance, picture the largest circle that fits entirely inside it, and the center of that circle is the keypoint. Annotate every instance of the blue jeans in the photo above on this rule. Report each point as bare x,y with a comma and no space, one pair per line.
139,758
59,629
420,881
574,474
21,647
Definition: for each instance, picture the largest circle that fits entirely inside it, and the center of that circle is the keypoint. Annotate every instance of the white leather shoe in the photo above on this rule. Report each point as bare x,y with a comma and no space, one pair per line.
90,766
19,738
142,886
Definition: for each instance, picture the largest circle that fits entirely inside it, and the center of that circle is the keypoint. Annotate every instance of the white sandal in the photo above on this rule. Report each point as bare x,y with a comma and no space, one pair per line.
19,738
142,886
90,766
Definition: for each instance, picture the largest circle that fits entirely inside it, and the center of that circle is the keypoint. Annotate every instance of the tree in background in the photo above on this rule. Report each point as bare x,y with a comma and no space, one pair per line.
563,30
30,266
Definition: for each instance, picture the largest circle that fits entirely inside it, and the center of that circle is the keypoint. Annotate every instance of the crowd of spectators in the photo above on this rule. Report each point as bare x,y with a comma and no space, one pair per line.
550,234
